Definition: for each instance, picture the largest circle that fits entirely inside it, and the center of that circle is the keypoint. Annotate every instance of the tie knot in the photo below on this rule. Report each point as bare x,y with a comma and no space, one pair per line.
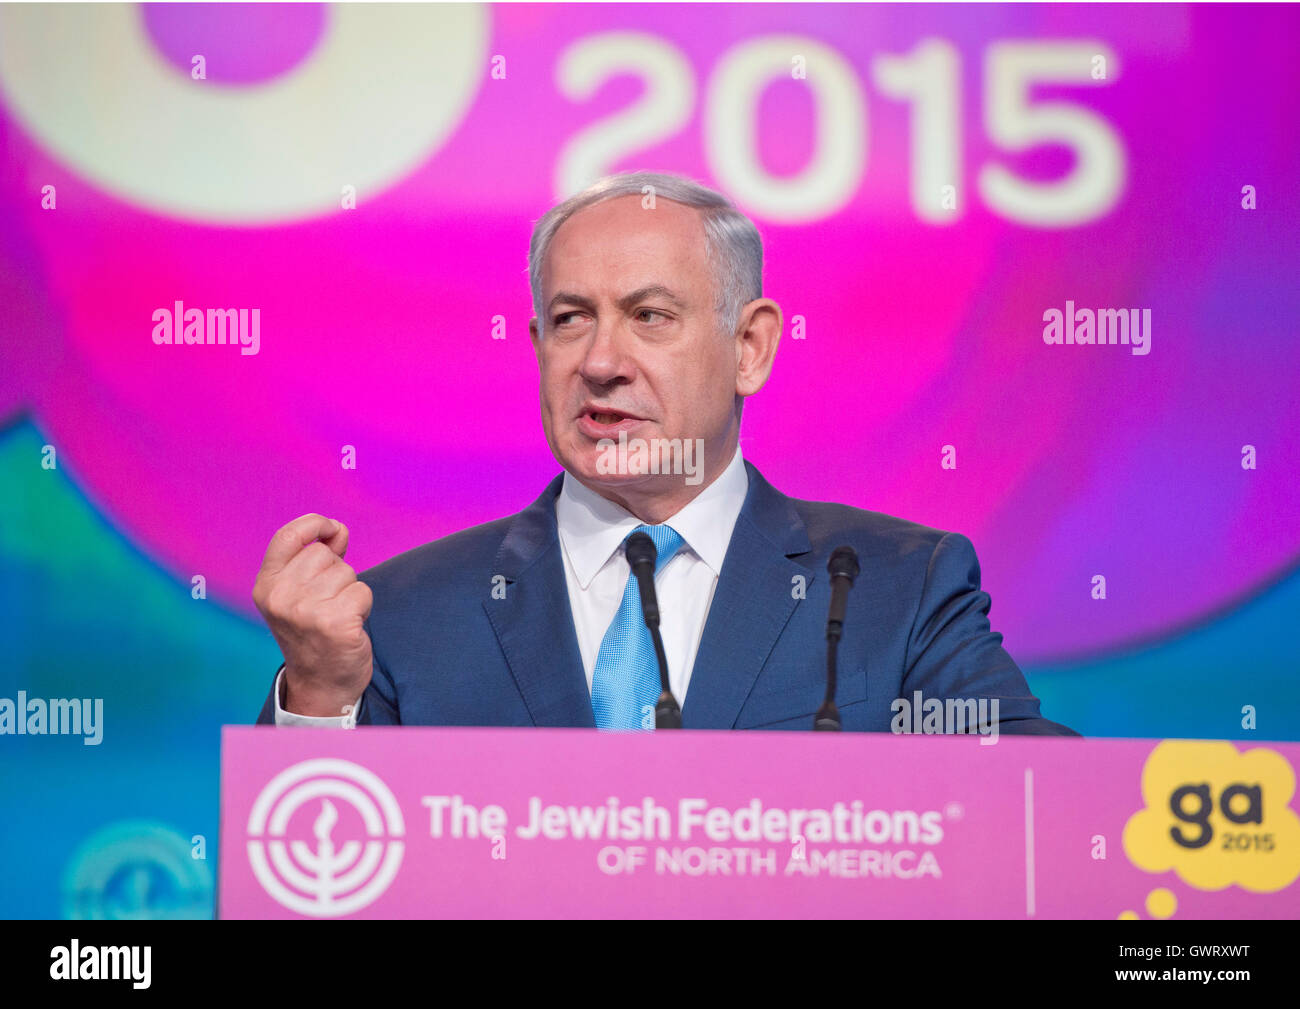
666,539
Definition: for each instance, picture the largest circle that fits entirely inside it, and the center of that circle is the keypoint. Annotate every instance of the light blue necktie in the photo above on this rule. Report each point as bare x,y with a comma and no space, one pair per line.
625,682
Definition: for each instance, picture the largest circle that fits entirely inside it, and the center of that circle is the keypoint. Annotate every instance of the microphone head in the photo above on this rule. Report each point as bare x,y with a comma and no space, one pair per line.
641,550
843,563
828,718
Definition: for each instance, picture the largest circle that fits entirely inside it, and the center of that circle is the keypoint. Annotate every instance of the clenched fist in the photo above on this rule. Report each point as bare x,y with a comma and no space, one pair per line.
316,610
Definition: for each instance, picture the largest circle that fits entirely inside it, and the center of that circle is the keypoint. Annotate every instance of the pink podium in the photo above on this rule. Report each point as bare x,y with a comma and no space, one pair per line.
539,823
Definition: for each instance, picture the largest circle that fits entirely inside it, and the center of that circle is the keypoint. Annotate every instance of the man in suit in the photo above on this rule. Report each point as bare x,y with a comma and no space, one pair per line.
650,333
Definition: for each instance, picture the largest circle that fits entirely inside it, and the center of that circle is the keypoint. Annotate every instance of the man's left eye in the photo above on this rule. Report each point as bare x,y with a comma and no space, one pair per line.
651,311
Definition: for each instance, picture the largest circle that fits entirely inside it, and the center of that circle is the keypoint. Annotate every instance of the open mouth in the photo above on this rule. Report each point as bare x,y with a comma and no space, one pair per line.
605,417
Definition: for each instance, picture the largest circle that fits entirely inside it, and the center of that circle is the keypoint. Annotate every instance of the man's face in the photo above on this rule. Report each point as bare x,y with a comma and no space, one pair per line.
631,342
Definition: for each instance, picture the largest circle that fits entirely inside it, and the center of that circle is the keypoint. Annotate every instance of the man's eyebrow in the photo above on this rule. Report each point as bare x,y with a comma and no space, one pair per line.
650,291
566,298
624,303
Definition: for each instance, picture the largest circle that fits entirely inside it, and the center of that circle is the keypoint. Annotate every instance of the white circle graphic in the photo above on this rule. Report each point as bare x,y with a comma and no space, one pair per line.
384,89
329,879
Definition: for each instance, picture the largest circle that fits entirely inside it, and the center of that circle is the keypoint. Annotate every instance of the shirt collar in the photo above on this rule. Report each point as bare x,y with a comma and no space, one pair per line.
592,528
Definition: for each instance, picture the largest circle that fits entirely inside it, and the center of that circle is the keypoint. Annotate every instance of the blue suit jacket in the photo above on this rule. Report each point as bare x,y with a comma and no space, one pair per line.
448,653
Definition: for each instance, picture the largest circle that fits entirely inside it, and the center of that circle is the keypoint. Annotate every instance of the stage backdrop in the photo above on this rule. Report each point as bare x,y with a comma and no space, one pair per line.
936,188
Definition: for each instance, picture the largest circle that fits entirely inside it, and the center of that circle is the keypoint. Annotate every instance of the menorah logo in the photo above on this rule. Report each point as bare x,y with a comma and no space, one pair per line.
326,879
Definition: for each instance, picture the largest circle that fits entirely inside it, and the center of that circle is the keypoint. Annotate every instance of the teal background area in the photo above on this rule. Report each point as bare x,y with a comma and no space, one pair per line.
87,614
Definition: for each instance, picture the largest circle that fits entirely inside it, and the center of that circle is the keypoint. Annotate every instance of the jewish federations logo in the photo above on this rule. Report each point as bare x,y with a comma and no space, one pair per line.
138,869
324,877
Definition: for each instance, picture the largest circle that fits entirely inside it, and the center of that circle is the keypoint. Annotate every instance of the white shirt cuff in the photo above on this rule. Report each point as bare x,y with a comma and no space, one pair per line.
348,720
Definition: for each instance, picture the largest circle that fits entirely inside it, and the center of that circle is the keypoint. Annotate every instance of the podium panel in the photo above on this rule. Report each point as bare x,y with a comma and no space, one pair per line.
565,823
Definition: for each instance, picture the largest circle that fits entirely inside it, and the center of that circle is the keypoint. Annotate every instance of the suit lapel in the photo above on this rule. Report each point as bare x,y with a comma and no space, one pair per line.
533,623
752,604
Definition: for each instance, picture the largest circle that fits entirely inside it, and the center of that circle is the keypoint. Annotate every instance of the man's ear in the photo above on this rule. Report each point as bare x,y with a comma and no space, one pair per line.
756,341
536,339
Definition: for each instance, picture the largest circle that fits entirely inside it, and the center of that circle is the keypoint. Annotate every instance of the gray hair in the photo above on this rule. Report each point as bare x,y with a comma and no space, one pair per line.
732,242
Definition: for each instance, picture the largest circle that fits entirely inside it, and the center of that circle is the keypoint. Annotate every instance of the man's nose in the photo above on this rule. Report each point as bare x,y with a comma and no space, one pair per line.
607,360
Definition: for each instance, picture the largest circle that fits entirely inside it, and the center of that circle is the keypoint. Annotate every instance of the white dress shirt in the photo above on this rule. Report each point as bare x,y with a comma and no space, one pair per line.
592,530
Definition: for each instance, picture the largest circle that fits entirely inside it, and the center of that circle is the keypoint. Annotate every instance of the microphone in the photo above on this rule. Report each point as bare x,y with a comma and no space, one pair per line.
641,555
843,568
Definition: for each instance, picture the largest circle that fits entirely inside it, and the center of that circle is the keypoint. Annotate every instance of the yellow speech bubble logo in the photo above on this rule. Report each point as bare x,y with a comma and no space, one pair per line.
1217,816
